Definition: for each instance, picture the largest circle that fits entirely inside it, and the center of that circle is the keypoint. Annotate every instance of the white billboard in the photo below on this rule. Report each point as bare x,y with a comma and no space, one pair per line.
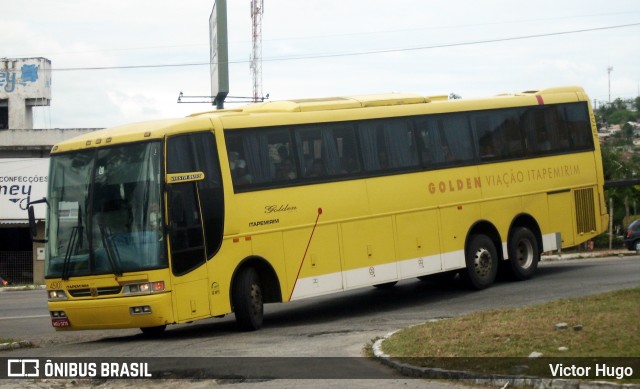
27,78
219,52
22,180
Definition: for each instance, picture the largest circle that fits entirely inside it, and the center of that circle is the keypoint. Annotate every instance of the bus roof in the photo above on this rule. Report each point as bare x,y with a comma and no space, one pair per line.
157,129
367,101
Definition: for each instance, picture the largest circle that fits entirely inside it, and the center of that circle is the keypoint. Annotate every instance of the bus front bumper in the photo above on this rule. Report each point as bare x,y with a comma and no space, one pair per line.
112,313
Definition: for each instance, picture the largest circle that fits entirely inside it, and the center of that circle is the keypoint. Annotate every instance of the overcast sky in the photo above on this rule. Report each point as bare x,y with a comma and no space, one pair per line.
315,48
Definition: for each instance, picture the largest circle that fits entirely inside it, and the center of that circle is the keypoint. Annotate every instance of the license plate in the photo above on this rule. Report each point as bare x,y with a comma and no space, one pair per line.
60,322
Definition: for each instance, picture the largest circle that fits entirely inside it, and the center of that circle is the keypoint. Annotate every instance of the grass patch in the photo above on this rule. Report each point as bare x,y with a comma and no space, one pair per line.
610,327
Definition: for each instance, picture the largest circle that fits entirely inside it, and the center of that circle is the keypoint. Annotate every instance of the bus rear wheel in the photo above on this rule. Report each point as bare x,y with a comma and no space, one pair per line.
524,254
247,300
482,262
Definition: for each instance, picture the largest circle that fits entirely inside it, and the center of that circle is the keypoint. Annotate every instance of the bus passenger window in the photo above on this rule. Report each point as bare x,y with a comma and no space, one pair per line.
260,157
455,137
286,170
327,150
578,126
542,140
487,150
317,169
513,135
387,144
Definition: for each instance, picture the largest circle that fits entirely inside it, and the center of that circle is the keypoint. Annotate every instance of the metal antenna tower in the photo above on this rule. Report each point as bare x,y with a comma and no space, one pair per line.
257,8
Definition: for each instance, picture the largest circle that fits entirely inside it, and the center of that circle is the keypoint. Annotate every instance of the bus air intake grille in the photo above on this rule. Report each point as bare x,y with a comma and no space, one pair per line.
96,292
585,211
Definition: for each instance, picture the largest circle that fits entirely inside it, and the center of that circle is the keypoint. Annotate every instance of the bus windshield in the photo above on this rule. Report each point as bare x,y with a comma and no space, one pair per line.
105,211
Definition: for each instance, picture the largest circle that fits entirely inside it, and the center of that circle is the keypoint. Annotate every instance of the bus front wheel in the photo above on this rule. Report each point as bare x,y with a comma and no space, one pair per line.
524,254
247,300
482,262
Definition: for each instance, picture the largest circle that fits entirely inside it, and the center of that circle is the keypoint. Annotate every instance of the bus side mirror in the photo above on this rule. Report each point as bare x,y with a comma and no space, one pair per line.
32,222
33,227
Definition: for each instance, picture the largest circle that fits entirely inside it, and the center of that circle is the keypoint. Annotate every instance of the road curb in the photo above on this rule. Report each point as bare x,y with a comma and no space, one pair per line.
22,287
587,255
15,345
486,379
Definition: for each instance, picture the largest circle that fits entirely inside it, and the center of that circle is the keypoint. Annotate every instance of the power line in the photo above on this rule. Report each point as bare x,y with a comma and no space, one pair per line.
448,27
358,53
307,37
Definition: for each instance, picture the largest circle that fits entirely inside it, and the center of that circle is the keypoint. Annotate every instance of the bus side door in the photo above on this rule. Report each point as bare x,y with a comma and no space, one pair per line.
186,230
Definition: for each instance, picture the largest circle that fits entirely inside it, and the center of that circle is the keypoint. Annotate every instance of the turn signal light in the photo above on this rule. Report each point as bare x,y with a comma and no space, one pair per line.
144,288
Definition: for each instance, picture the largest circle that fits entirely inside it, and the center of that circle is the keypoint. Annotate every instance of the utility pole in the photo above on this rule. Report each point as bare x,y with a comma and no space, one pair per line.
609,69
257,9
610,223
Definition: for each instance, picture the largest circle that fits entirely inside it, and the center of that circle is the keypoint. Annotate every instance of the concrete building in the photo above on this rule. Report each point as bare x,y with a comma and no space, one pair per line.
24,83
24,164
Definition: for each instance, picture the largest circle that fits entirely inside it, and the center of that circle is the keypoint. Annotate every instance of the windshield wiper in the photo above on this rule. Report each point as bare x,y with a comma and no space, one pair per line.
112,251
75,241
72,247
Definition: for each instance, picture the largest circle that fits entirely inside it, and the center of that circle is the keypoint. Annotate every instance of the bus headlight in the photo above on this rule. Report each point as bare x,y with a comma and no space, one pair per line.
56,295
143,288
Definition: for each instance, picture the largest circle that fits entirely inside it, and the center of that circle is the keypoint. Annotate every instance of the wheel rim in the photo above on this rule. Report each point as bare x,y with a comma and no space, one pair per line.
482,262
256,299
524,254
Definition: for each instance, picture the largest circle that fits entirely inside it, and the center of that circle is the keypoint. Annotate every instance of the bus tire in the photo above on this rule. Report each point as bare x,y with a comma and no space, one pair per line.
524,254
247,300
153,332
481,258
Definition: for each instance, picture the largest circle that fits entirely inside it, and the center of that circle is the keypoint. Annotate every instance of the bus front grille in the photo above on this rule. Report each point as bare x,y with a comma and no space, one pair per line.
95,292
585,211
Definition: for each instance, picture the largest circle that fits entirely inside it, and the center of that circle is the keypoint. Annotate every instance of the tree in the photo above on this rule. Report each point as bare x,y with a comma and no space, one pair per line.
616,166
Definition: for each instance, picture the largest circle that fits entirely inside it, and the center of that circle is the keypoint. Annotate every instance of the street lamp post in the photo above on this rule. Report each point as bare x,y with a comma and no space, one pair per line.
609,69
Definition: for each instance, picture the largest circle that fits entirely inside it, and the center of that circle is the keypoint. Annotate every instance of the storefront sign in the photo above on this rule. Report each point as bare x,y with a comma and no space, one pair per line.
22,180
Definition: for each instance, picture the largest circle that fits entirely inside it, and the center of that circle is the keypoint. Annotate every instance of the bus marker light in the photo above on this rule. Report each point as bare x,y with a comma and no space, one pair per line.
236,240
247,238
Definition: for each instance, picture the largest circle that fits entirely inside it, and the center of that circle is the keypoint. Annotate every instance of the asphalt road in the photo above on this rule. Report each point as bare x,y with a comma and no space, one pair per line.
338,325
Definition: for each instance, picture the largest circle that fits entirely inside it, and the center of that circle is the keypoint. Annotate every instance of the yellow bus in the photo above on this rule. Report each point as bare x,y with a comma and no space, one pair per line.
171,221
